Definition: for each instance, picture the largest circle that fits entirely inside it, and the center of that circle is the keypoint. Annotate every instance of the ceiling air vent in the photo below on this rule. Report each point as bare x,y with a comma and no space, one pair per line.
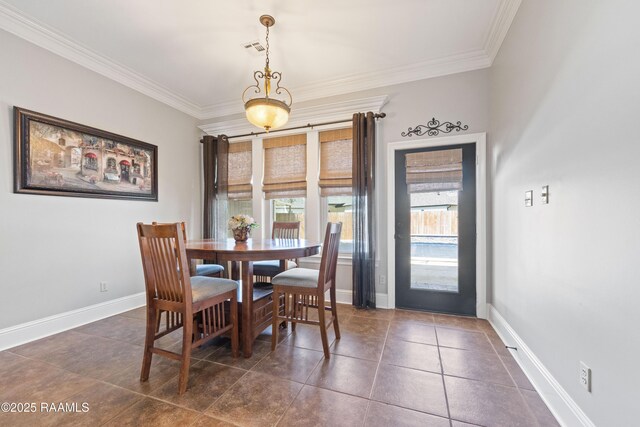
254,46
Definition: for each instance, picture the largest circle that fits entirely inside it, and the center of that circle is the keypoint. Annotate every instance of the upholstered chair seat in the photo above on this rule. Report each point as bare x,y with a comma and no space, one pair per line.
203,288
304,277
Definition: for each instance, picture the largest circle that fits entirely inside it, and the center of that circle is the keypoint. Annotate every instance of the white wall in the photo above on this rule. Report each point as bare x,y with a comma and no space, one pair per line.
565,99
54,251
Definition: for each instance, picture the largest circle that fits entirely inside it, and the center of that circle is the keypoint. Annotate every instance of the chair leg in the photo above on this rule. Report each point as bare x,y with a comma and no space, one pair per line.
187,339
323,331
274,320
284,324
234,332
334,311
294,312
158,320
152,314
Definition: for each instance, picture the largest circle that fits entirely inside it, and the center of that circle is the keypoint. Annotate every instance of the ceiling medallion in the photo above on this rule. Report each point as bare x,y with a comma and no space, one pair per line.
262,109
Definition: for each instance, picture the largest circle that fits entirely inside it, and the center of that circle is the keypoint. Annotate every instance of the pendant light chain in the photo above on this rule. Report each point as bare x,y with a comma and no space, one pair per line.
267,47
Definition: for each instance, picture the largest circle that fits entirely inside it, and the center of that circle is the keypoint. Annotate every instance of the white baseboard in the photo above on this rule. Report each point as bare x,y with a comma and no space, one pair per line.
563,407
40,328
344,296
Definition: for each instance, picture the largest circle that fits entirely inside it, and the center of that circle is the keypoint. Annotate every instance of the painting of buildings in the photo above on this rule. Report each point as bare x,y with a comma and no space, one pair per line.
61,158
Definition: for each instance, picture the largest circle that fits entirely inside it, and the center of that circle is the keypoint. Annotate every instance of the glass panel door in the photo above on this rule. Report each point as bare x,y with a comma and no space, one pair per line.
435,230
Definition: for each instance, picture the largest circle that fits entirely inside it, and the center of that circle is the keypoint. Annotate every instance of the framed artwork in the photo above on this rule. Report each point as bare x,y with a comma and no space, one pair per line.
57,157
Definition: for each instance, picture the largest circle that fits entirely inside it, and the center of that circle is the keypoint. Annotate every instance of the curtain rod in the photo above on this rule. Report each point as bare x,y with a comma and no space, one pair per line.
308,125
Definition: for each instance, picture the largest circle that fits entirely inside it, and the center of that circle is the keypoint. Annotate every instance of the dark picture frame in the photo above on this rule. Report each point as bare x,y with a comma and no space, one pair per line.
56,157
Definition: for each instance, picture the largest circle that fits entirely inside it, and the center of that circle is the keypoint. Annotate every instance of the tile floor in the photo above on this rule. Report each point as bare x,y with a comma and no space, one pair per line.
390,368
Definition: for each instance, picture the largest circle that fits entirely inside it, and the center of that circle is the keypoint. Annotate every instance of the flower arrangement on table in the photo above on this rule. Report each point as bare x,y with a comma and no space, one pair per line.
241,226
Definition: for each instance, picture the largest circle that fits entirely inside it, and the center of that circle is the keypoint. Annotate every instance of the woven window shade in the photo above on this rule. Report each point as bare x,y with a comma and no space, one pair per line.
285,167
434,171
240,187
336,157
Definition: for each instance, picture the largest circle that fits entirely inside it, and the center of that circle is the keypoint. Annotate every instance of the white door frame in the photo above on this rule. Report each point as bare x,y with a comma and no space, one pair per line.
480,139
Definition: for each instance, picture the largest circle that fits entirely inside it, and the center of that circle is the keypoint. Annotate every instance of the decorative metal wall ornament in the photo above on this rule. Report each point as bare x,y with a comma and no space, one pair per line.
434,127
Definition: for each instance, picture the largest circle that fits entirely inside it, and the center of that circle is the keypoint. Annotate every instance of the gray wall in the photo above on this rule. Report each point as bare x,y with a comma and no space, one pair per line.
54,251
462,96
564,104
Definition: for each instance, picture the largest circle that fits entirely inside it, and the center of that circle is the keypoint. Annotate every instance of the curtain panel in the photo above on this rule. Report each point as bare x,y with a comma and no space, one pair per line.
364,238
215,158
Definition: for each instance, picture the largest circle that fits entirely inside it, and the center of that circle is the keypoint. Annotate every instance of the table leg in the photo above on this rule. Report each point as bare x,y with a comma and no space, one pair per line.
247,308
235,270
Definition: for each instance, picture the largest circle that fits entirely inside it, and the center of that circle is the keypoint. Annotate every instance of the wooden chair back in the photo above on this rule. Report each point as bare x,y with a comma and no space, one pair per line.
329,260
285,230
183,226
165,265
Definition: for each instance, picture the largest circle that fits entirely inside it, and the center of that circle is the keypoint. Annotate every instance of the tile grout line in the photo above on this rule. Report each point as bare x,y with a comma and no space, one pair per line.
526,404
299,391
444,385
384,345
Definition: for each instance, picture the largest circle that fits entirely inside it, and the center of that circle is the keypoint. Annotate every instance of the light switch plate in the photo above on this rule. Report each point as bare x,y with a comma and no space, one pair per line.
528,198
545,195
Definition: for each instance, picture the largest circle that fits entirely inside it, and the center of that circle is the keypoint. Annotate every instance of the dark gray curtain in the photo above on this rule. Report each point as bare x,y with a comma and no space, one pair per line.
364,239
215,158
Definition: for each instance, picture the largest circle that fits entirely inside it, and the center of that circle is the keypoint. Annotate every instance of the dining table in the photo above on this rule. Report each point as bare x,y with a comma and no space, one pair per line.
244,254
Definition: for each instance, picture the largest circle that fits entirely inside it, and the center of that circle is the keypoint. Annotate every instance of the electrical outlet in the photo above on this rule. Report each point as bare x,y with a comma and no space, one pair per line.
585,376
103,287
383,279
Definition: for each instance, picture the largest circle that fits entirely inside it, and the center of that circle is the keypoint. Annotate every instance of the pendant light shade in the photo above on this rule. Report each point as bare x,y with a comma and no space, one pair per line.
265,111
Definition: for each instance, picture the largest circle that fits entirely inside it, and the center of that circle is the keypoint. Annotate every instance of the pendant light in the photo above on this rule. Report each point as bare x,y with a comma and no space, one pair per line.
263,110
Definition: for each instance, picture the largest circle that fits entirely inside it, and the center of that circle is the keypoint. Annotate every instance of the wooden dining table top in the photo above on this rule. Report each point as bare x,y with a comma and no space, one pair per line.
255,249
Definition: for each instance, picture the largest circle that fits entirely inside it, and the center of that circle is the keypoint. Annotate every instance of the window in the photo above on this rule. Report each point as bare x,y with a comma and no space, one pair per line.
240,170
91,161
237,207
340,209
285,178
336,152
240,189
285,167
289,210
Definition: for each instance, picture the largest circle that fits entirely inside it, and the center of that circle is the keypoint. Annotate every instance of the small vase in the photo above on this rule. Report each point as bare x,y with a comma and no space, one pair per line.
241,234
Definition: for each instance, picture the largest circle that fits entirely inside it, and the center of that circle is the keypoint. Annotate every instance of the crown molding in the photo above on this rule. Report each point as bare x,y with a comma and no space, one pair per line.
370,80
507,10
27,28
302,116
14,21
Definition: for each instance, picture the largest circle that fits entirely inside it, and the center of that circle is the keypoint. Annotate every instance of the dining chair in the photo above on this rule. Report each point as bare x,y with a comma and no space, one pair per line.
264,271
305,288
211,270
195,304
